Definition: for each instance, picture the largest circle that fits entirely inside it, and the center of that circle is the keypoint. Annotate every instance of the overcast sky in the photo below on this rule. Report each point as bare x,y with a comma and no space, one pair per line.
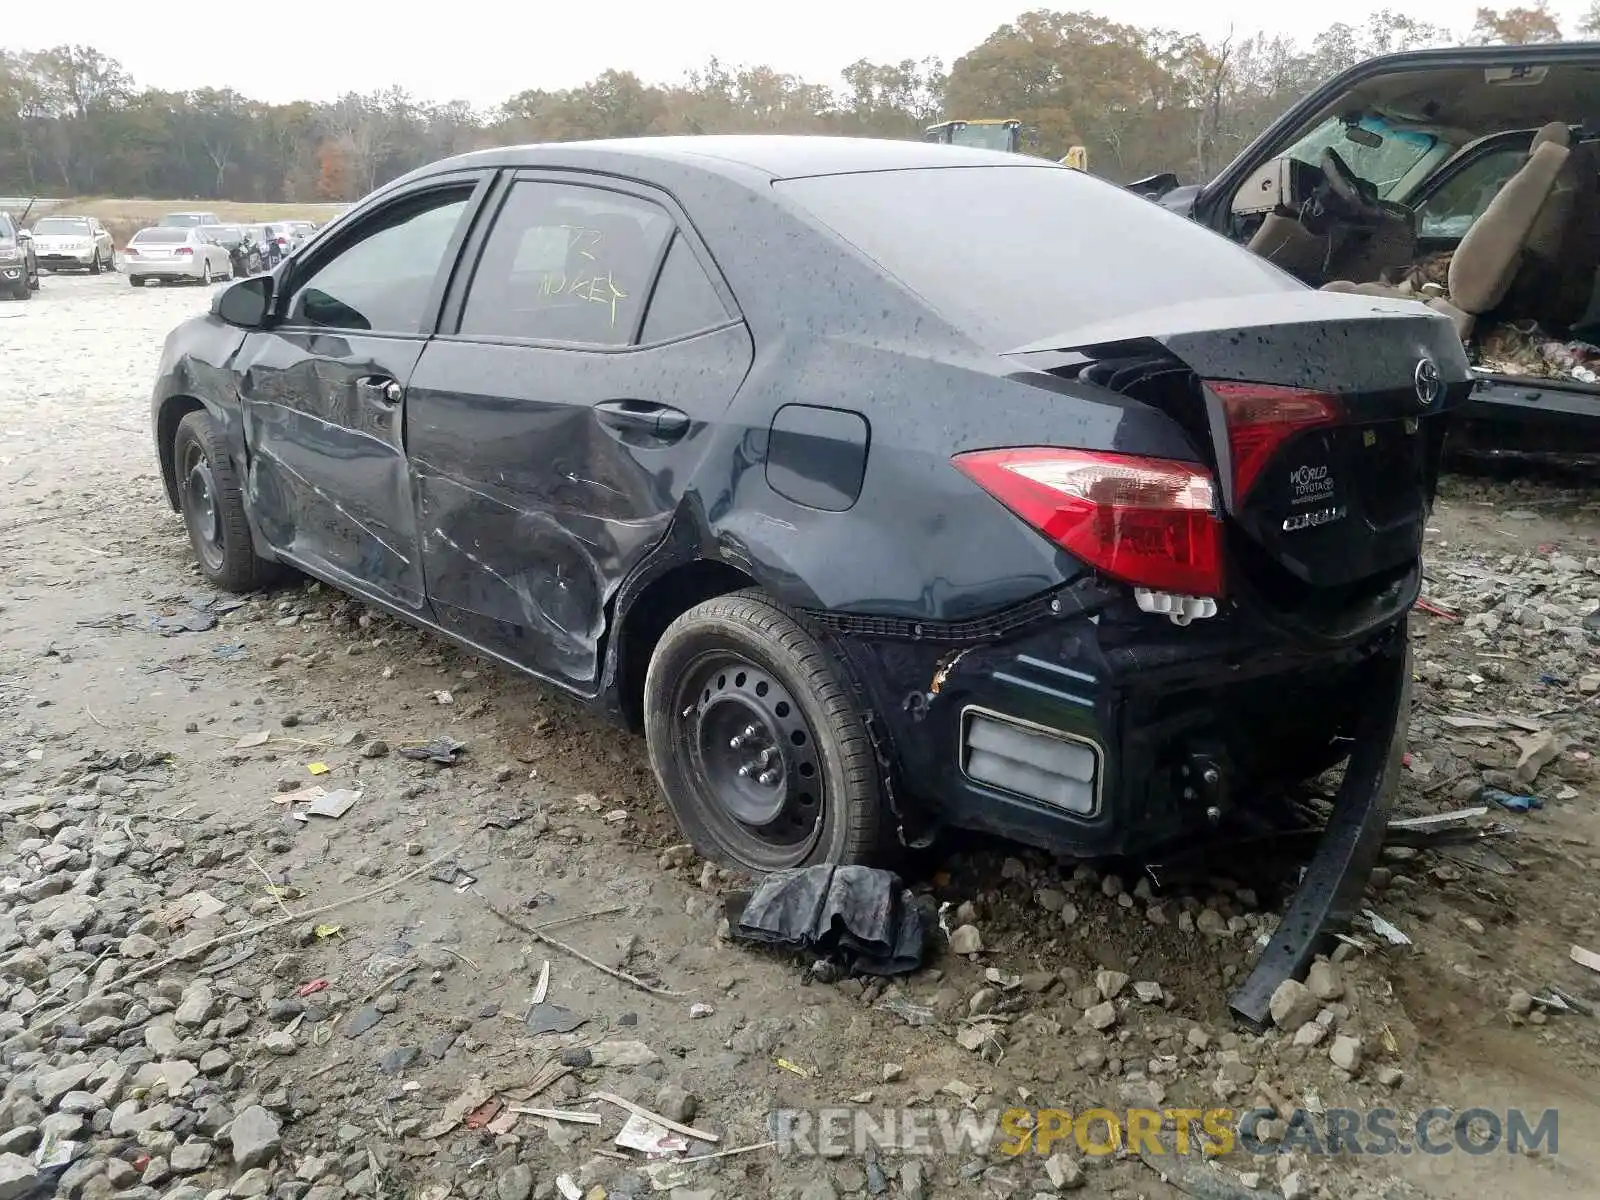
485,50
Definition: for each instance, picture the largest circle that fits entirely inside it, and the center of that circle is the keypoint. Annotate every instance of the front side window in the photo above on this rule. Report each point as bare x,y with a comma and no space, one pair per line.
1451,210
566,263
382,281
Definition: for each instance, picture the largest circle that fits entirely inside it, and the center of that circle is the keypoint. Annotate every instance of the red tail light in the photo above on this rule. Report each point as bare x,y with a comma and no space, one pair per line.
1261,417
184,250
1146,521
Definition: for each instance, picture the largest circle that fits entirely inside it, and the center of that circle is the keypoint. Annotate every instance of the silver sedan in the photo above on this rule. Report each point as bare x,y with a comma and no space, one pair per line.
170,253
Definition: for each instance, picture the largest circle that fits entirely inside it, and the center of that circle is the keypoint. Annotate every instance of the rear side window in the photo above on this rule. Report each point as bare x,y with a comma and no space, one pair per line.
1018,255
566,263
684,301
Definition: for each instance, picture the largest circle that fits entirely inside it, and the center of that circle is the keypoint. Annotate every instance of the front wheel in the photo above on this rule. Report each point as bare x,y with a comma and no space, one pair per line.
765,762
94,267
212,503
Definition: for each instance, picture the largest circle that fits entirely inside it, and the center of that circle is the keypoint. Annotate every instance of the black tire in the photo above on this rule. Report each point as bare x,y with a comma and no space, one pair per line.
212,503
94,267
135,281
734,663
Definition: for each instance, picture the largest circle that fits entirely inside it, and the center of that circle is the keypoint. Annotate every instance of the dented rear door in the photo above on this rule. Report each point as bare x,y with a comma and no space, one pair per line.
552,431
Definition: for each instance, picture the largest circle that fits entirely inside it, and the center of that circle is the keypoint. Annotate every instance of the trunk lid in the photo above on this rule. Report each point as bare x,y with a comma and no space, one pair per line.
1310,409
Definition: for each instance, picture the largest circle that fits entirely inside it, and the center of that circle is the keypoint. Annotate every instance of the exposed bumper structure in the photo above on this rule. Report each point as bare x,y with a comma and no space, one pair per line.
1337,874
1097,731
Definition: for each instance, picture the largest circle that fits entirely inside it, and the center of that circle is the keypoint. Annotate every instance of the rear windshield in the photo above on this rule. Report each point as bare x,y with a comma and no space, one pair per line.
180,220
1020,254
48,225
161,235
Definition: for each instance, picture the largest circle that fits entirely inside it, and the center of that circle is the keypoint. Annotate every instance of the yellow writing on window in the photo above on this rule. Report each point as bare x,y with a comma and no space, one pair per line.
599,288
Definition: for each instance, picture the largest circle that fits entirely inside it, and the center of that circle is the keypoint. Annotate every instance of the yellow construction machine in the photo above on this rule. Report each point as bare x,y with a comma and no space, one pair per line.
996,133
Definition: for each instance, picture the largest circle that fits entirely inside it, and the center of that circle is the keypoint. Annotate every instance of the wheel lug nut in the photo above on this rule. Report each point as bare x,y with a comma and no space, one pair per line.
746,770
736,741
750,731
768,777
766,756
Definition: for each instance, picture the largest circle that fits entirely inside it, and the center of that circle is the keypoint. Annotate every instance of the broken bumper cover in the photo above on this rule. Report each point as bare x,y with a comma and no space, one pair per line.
1095,732
1337,875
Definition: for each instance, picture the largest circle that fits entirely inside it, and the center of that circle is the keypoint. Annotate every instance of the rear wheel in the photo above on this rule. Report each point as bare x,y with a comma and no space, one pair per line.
205,273
765,762
212,503
135,281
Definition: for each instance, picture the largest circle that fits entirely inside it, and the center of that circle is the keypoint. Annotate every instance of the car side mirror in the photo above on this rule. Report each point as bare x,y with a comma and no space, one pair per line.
24,235
245,304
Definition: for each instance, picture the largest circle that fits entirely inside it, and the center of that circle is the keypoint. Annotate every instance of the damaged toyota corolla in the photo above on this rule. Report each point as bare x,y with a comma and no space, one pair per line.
885,486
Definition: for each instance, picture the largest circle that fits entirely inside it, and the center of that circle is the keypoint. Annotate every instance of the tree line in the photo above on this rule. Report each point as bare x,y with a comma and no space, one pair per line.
73,122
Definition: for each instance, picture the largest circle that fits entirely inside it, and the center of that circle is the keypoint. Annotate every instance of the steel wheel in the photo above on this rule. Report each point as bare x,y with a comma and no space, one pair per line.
752,754
202,513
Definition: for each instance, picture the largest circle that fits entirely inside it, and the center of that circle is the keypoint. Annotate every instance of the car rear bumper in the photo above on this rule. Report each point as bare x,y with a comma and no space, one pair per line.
1528,416
1098,732
164,268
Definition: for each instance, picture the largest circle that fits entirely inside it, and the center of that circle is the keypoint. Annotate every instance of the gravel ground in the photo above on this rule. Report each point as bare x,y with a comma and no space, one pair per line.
202,996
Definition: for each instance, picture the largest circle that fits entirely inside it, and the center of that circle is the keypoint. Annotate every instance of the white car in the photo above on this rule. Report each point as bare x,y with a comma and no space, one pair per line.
167,252
73,244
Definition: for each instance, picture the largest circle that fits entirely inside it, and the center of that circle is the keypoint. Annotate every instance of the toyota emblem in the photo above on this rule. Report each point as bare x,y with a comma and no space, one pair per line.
1427,381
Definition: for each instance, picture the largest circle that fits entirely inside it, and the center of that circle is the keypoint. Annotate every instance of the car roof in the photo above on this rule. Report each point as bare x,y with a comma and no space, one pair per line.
775,156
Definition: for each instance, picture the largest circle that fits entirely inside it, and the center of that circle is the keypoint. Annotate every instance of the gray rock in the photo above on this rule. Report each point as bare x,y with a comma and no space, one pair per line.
17,1176
191,1157
1064,1172
677,1104
1346,1054
198,1005
1325,981
1102,1015
256,1137
65,914
913,1180
514,1183
19,1139
819,1189
1292,1005
51,1086
215,1061
255,1182
966,940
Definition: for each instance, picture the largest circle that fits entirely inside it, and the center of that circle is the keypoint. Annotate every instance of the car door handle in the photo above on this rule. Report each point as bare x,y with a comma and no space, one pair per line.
646,417
388,390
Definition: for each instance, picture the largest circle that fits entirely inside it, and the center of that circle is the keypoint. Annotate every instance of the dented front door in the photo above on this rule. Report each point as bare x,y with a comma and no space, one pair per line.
323,396
552,434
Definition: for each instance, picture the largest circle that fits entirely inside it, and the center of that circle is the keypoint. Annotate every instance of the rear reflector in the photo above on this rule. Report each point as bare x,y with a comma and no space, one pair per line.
1146,521
1030,762
1261,417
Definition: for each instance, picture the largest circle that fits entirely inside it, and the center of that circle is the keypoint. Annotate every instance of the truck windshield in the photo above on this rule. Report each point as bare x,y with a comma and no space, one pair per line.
1383,166
982,137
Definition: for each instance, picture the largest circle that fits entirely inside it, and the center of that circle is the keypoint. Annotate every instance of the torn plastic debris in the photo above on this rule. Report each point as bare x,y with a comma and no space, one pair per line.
862,915
443,749
1512,802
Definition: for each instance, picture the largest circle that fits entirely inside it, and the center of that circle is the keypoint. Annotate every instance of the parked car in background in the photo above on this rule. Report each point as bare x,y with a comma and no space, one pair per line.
886,486
182,220
19,267
232,238
179,254
67,243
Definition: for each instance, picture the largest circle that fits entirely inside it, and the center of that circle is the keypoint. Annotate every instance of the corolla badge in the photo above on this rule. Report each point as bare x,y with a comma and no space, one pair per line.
1427,382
